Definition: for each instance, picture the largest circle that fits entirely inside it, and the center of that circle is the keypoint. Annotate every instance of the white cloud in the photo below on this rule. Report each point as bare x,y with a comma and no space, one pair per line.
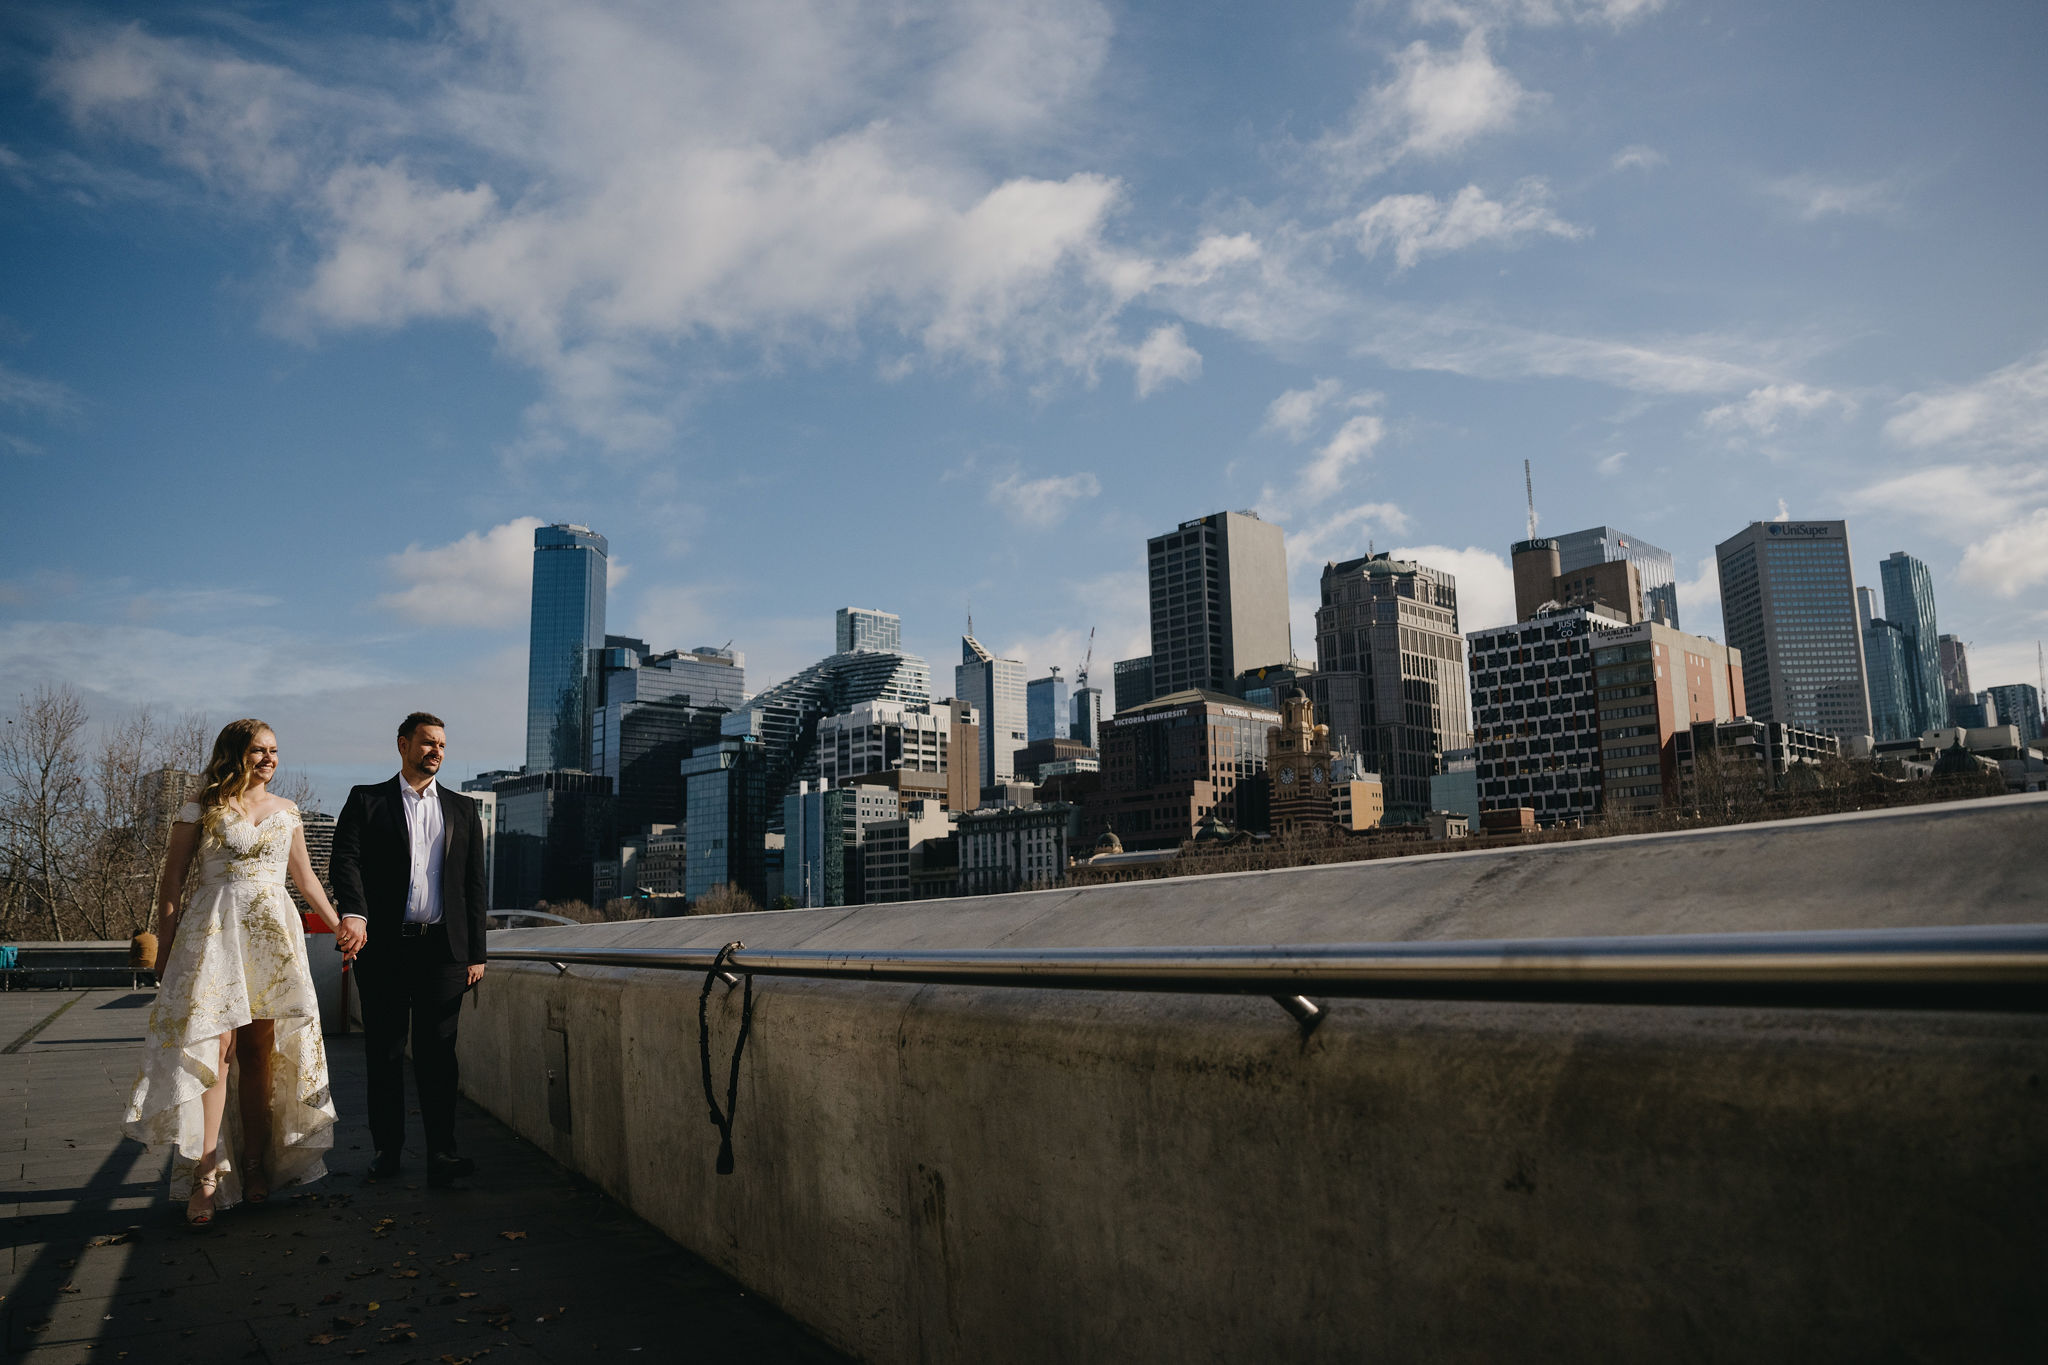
1637,157
27,393
1960,501
2010,559
1611,465
1486,585
1763,409
1699,598
1784,512
1042,503
1418,225
1537,13
597,185
1438,101
1294,412
210,671
1811,197
679,616
1354,441
1342,535
1165,357
483,579
1022,61
2006,412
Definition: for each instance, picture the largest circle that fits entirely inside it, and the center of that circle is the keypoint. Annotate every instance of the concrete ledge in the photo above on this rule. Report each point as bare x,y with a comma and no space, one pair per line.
952,1174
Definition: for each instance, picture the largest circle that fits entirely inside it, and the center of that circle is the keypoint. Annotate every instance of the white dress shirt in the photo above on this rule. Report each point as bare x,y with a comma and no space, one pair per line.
424,828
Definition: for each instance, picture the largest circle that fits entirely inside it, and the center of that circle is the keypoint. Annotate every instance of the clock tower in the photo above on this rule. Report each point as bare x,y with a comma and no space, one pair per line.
1298,766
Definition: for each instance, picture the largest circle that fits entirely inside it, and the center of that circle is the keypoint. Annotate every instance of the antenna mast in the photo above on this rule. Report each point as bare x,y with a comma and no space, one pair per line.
1529,487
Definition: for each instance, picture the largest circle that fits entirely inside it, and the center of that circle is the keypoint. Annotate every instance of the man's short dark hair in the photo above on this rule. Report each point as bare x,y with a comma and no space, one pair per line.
416,720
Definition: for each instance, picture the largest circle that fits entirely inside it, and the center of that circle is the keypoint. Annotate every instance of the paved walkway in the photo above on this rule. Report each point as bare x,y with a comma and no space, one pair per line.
531,1263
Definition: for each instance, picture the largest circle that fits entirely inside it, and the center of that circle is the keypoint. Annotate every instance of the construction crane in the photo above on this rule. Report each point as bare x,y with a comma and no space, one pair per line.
1081,677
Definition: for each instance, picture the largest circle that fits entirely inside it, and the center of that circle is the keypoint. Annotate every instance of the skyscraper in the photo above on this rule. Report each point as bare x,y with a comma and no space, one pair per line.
1953,657
1048,707
1788,602
2019,704
1605,545
994,688
1219,601
1536,714
1888,662
785,717
1132,681
861,628
1909,605
1390,672
1087,726
567,625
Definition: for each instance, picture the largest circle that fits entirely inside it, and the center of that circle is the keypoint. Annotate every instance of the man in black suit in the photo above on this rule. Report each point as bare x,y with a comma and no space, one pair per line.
408,872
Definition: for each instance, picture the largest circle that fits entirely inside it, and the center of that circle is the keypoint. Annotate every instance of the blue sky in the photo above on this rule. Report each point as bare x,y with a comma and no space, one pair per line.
310,311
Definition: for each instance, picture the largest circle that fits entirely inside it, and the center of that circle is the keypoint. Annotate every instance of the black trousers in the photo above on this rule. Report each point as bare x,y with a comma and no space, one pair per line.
412,984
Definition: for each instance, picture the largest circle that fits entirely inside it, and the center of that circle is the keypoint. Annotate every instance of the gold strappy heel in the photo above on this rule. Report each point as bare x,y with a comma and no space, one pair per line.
200,1218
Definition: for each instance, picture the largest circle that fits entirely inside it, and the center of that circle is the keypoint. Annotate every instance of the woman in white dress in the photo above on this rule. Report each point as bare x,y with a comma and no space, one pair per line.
234,1076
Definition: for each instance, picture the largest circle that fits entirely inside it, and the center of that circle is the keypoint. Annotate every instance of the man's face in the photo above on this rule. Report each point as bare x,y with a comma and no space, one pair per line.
422,751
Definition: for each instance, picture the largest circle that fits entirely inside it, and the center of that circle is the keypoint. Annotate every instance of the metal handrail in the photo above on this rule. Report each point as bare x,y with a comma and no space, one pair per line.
2002,967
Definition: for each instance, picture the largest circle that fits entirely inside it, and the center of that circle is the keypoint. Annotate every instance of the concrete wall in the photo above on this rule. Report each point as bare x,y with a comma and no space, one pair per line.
954,1174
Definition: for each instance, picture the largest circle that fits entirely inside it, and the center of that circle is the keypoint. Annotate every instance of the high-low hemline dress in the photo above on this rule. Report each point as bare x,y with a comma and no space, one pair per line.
239,955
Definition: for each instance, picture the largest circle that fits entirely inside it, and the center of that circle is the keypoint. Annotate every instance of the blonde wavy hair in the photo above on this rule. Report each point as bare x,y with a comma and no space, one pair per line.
229,772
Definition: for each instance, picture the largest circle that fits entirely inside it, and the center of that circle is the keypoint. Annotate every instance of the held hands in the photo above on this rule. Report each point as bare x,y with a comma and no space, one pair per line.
350,937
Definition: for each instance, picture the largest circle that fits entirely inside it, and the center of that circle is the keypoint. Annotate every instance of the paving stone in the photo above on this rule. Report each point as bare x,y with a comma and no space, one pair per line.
98,1254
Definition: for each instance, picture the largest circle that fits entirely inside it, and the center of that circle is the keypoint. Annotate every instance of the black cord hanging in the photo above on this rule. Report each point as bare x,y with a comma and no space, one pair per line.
722,1118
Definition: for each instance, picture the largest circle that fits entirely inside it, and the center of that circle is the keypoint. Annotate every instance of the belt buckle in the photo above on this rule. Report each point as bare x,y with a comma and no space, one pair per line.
413,929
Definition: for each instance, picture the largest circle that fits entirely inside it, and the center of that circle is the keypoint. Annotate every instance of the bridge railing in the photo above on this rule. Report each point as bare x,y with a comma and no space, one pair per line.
1982,966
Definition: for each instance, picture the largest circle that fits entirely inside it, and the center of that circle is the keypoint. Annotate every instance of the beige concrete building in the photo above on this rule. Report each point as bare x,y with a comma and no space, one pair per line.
1653,684
1390,676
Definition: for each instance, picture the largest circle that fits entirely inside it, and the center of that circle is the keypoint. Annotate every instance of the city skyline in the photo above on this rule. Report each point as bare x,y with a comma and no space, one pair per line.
279,437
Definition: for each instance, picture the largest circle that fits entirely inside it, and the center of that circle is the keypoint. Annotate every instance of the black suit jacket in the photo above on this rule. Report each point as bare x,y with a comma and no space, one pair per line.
372,867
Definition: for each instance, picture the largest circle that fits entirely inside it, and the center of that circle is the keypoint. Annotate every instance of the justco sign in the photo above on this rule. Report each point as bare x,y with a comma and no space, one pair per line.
1793,528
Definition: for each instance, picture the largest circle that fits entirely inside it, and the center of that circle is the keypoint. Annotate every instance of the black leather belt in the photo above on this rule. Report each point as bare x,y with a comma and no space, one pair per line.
410,929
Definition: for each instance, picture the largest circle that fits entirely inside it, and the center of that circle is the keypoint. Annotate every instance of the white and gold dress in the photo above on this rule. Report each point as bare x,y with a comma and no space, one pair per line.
239,954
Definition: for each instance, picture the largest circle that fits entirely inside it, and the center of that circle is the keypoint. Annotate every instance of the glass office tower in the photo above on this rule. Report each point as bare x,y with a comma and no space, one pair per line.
2019,704
1888,663
1788,602
568,624
1655,567
1049,707
1909,605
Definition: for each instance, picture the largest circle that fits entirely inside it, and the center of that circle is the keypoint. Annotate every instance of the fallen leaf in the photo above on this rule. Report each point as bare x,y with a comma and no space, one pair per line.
513,1236
67,1289
335,1297
323,1339
342,1324
467,1294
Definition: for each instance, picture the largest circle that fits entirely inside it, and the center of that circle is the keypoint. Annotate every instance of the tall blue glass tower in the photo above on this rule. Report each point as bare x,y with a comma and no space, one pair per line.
568,623
1909,604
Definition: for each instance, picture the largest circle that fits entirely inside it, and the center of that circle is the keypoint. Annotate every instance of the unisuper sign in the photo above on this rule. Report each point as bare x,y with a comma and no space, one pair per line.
1819,530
